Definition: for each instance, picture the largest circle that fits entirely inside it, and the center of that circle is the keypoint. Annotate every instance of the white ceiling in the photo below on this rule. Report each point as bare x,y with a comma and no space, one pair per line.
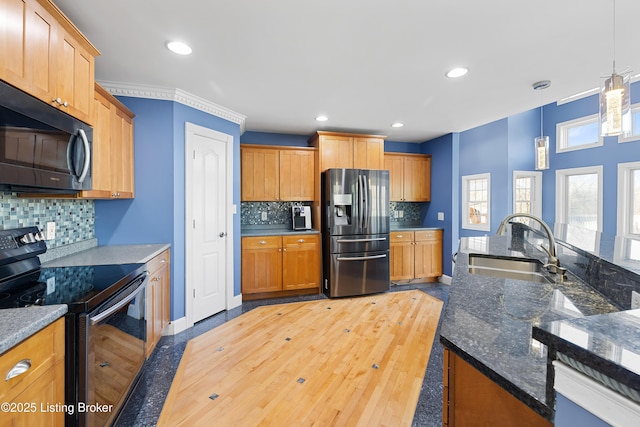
363,63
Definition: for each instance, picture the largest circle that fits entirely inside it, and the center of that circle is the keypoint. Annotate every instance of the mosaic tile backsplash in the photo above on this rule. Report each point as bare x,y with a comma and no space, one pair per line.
279,213
74,219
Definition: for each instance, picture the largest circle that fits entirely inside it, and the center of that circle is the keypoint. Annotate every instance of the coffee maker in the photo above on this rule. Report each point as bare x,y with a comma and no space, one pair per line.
301,217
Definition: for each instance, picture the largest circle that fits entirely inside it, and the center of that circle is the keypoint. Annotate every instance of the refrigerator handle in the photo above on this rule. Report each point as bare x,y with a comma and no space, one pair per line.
360,204
365,186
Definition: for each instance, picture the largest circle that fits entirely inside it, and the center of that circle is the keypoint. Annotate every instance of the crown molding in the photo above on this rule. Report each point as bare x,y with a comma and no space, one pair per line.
176,95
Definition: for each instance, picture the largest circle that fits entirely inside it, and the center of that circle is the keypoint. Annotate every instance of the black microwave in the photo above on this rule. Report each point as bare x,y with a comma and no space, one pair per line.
42,149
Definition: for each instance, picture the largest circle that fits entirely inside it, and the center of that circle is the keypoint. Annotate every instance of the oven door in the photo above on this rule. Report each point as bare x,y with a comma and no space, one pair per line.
111,354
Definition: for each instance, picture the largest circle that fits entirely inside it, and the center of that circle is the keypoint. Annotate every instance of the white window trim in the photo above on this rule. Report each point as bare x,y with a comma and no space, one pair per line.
561,190
562,134
536,203
465,202
635,108
624,210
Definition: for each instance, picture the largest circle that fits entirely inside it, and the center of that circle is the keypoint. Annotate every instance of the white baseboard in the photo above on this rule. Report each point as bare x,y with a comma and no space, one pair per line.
235,301
176,326
445,279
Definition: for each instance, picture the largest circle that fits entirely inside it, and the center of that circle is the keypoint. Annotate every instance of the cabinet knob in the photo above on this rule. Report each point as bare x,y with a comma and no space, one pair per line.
400,236
262,242
300,240
59,102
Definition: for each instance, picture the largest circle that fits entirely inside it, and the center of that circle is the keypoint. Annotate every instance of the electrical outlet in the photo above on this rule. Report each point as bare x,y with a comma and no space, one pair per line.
395,214
51,230
635,300
401,214
440,216
51,285
264,215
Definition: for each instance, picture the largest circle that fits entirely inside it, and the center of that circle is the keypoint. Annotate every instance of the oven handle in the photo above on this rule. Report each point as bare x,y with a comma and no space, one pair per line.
98,318
375,239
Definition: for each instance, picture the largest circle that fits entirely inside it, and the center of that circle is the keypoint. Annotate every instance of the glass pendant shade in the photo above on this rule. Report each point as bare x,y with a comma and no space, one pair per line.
615,106
542,152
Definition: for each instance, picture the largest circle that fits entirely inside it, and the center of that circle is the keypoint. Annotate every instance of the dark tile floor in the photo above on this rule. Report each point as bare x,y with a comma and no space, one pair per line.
145,404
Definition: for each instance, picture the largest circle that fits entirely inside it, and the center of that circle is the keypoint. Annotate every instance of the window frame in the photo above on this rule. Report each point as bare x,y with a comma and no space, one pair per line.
465,202
635,109
623,225
561,192
536,203
562,134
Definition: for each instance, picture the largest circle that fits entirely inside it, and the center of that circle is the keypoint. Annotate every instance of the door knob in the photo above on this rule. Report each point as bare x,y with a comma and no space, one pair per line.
222,234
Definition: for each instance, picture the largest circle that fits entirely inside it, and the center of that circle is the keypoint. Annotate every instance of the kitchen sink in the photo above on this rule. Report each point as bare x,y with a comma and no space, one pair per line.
507,268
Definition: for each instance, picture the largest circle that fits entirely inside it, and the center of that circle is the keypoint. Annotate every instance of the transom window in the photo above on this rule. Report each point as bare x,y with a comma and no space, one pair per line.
635,125
578,134
476,195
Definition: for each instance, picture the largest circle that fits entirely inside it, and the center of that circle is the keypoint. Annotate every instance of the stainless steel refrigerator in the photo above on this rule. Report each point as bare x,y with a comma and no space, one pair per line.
355,230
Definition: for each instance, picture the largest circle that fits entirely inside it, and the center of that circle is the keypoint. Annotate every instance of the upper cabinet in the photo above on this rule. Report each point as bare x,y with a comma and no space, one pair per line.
409,177
112,164
45,55
347,150
276,173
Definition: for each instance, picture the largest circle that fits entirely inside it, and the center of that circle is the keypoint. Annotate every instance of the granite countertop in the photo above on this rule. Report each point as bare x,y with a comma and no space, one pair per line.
488,321
604,347
273,231
398,227
110,254
18,324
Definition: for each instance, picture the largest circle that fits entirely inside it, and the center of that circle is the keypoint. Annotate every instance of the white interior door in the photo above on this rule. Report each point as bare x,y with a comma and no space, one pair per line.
209,240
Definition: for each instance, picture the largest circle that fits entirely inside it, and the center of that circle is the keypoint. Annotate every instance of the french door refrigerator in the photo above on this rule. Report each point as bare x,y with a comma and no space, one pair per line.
355,228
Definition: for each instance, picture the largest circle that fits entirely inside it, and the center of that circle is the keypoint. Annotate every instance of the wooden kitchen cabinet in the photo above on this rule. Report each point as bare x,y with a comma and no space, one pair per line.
276,173
158,299
415,255
409,177
348,150
42,383
271,264
469,398
47,56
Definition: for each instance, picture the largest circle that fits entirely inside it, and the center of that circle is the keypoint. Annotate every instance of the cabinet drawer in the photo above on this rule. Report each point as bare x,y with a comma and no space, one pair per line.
42,350
158,261
401,236
424,235
262,242
299,241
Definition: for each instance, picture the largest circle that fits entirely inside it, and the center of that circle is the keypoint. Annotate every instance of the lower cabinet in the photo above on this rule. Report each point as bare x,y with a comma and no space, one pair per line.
158,298
469,398
415,255
37,390
280,263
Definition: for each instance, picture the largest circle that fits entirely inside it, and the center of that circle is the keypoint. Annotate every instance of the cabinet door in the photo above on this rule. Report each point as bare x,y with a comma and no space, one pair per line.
336,152
261,264
395,166
368,153
401,255
121,154
12,40
101,149
260,174
301,262
417,179
151,315
428,254
297,173
40,48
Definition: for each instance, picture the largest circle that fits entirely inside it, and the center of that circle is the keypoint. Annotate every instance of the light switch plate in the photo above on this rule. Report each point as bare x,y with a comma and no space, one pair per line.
51,230
440,216
51,285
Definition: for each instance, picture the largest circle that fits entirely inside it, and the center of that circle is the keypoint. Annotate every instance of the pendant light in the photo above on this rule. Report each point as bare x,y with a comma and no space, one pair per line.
615,102
541,143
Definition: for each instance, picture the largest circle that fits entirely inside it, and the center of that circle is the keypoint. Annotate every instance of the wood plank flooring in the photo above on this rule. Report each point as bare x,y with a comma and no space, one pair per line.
341,362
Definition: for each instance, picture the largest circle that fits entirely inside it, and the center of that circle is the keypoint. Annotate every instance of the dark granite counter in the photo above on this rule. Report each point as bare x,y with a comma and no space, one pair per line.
488,320
266,230
403,227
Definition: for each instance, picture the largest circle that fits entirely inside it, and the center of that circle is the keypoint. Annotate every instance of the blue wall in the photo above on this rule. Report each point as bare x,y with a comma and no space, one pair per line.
157,214
569,414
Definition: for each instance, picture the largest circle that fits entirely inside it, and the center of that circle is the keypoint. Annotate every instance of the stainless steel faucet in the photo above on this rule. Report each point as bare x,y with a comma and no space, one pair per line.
553,263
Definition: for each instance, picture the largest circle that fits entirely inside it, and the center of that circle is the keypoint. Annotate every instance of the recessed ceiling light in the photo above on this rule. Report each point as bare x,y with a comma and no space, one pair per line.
179,48
457,72
397,125
322,118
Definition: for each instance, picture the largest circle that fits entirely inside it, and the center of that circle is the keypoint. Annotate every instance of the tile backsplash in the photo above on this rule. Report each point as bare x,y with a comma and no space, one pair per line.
411,212
278,213
74,218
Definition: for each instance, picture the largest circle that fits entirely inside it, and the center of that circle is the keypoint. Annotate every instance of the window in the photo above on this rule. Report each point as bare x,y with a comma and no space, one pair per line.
476,202
579,197
578,134
635,125
629,199
527,194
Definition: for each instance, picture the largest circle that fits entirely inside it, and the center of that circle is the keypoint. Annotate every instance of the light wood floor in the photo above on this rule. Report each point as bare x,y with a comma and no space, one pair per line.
341,362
